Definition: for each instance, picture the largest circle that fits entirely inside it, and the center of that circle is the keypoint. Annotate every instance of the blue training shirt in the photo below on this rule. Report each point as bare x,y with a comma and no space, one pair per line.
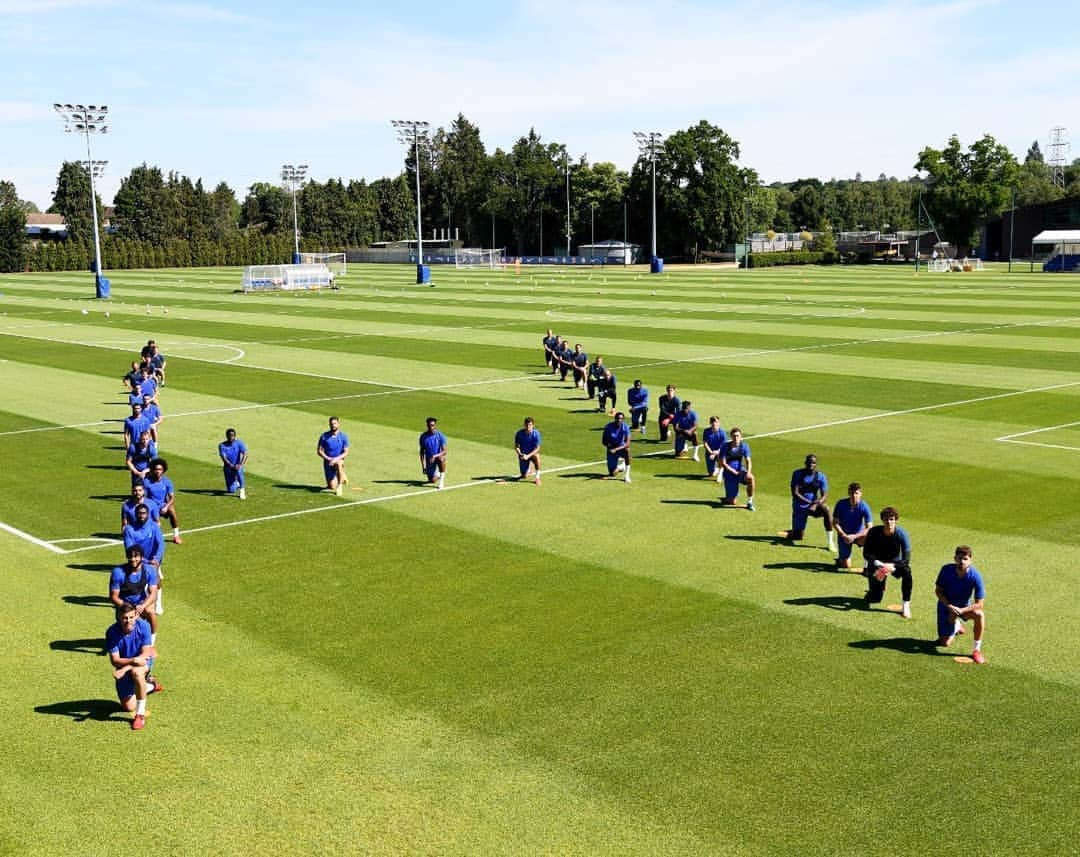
809,483
615,435
637,398
332,444
127,645
148,537
158,491
232,452
958,590
714,439
127,509
735,454
432,443
852,518
527,441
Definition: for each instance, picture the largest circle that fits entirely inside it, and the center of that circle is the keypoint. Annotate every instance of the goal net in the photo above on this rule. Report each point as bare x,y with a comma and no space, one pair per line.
474,257
944,266
334,261
268,278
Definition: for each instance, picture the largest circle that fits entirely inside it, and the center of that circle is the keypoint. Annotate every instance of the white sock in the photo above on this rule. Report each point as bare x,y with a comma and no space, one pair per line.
958,627
626,475
978,645
140,706
176,532
907,607
153,639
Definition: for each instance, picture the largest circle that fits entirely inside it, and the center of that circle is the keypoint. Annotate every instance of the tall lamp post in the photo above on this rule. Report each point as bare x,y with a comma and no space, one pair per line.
293,177
87,120
411,132
649,144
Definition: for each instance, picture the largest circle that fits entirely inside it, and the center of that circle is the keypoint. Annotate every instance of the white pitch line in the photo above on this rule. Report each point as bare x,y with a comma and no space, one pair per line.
366,502
1037,431
1043,445
41,543
920,409
320,376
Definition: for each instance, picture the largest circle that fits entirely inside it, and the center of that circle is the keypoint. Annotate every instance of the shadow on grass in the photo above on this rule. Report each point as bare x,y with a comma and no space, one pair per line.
697,477
412,483
119,498
904,645
80,710
92,566
288,486
106,467
587,476
715,504
91,646
116,536
816,567
834,602
87,600
587,411
205,492
496,477
765,540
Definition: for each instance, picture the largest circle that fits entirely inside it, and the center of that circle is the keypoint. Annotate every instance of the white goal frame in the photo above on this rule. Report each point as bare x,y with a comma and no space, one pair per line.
334,261
476,257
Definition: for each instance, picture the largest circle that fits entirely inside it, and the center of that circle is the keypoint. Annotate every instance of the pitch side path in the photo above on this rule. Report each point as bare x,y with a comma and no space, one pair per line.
584,666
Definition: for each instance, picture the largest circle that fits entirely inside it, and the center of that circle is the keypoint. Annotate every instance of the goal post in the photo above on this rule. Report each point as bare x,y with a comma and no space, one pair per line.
334,261
476,257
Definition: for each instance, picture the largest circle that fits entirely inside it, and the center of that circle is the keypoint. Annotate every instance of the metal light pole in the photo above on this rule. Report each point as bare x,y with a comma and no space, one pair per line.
566,166
918,230
1012,223
87,120
294,177
411,132
592,223
649,143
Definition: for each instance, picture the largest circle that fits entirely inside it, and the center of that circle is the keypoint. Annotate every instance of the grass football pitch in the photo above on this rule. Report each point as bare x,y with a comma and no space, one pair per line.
580,667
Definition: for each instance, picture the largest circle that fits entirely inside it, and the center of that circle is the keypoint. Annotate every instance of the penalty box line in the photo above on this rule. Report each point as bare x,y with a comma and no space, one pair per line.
579,466
1012,438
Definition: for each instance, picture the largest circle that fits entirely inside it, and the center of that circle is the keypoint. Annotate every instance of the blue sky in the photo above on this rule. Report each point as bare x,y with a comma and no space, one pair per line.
229,91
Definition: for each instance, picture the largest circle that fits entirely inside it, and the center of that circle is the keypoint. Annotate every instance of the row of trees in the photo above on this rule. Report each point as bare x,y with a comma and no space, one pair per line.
517,199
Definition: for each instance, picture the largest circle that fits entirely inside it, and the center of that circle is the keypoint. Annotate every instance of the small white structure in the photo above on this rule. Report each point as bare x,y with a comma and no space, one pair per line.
269,278
610,252
475,257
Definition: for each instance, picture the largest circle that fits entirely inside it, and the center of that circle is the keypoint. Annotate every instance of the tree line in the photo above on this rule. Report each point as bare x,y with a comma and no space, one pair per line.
706,200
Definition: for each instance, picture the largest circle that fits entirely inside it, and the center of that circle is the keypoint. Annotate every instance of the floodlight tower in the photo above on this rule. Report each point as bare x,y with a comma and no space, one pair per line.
411,132
293,177
1057,155
87,120
649,144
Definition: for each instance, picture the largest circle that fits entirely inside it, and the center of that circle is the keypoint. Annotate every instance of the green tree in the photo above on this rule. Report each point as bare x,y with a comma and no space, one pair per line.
267,208
460,178
966,187
523,186
72,200
397,208
224,213
143,208
13,244
1034,184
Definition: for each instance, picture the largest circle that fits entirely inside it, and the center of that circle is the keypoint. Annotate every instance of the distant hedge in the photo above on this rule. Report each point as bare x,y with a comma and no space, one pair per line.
117,253
792,257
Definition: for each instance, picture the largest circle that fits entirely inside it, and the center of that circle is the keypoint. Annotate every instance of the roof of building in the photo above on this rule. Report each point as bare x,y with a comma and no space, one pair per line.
1057,236
40,219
